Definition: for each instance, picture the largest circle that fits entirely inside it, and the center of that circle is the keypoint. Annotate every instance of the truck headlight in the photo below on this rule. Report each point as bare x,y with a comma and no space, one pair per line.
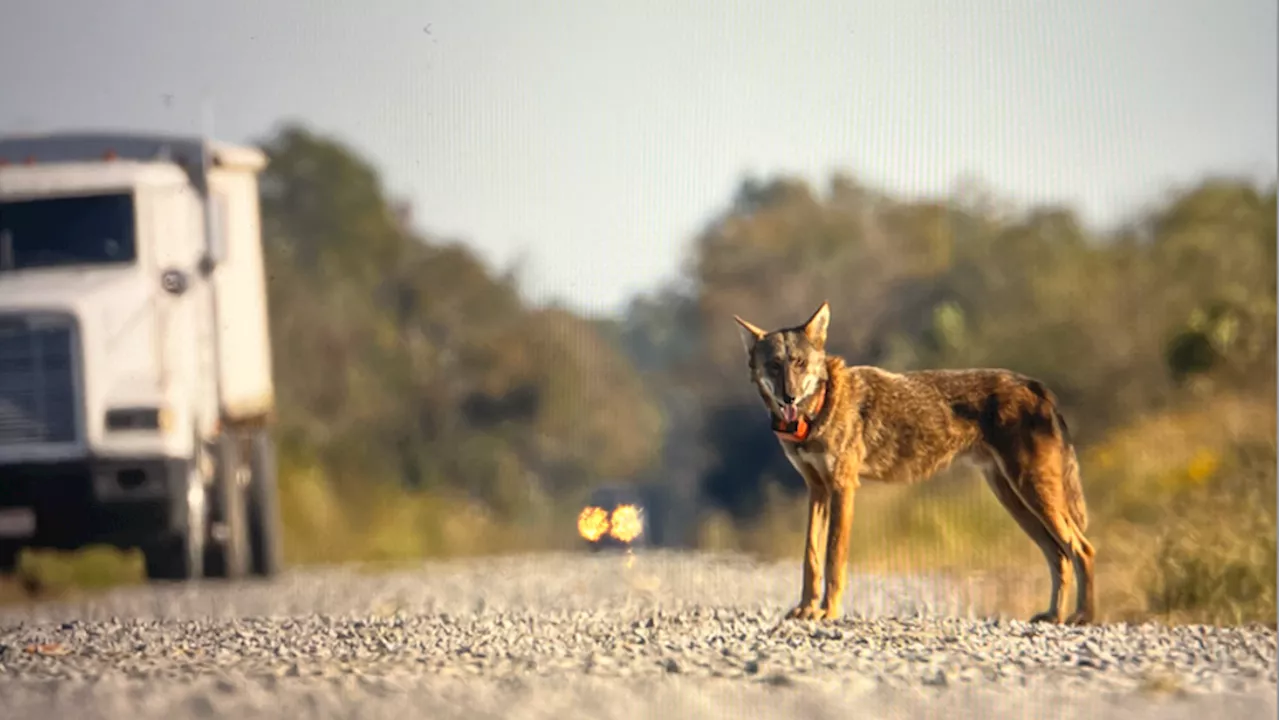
137,418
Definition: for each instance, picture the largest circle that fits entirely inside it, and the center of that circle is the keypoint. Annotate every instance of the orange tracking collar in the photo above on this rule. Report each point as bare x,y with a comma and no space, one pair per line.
798,431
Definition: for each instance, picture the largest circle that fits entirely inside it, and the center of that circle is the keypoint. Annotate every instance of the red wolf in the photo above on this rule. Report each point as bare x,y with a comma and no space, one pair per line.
840,424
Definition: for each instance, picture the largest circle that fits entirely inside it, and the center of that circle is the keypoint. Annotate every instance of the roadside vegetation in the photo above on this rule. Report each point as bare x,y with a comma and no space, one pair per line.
426,410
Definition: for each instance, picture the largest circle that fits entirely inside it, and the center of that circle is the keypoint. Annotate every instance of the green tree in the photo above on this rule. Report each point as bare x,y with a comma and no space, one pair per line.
1120,323
403,360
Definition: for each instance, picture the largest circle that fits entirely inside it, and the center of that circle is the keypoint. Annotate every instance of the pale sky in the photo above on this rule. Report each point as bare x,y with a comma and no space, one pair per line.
597,137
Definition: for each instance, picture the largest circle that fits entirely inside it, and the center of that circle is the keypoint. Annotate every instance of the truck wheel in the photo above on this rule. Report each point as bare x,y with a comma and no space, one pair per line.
182,557
228,554
9,557
264,507
175,559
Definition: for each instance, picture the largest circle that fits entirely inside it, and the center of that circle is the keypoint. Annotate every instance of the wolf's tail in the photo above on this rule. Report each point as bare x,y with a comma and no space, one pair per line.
1071,487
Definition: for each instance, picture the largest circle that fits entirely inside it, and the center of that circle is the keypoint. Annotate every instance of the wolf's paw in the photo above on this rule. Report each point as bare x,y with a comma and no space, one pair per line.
831,613
1046,617
805,612
1080,617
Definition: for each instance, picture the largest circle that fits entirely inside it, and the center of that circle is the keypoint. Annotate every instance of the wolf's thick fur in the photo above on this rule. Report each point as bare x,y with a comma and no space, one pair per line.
839,424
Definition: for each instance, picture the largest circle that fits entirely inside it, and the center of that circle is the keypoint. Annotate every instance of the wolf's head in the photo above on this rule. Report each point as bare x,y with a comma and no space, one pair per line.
788,365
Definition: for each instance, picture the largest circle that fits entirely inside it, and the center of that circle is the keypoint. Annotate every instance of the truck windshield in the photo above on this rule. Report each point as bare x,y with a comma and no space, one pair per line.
79,230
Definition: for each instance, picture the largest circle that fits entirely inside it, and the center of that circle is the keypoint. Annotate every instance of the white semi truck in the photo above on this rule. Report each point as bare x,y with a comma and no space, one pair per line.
135,364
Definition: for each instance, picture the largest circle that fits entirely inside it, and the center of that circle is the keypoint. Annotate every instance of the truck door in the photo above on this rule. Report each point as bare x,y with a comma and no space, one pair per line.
176,292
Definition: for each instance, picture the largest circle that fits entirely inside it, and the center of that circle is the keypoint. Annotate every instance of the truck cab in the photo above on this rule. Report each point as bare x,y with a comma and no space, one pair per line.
135,371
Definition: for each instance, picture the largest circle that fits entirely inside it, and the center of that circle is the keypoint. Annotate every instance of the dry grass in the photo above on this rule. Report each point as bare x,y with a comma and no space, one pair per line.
1182,507
378,527
48,574
382,525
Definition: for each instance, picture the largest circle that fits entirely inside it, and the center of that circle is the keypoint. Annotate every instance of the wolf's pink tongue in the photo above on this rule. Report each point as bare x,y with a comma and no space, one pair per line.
789,413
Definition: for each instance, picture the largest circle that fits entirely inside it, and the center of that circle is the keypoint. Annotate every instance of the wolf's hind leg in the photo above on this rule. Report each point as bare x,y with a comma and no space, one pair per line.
1083,562
1040,483
1039,534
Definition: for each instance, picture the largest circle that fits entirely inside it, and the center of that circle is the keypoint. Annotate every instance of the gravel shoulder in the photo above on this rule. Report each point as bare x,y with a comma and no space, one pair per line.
657,635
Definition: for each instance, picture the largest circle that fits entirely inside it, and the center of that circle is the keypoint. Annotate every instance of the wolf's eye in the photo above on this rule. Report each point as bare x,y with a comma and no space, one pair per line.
773,366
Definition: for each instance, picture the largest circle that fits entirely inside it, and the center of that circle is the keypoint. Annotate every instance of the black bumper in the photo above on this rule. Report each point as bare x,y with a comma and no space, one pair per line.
118,501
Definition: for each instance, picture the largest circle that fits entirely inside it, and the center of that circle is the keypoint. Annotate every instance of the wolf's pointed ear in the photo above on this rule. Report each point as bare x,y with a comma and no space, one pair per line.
750,333
816,327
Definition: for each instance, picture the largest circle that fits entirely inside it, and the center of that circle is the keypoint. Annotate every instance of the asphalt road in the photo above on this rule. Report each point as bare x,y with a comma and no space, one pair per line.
578,636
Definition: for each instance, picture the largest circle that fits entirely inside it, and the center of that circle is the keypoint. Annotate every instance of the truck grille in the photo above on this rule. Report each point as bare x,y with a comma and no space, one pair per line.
37,381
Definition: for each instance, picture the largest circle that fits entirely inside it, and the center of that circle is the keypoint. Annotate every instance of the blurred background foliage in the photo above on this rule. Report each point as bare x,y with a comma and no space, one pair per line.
426,409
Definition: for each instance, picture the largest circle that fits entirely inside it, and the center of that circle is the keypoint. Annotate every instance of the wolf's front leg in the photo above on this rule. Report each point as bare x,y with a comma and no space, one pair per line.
838,550
814,547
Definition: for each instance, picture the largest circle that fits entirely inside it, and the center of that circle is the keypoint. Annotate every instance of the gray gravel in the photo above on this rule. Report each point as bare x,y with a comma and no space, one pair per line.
658,635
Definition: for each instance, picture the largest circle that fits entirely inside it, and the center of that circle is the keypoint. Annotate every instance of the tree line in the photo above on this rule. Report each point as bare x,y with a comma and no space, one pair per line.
403,360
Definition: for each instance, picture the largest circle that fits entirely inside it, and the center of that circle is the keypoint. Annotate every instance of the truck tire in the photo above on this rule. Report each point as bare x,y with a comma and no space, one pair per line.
264,507
9,557
176,558
182,557
228,555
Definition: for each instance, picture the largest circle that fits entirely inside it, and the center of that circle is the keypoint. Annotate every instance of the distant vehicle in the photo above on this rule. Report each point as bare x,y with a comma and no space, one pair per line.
135,365
614,518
